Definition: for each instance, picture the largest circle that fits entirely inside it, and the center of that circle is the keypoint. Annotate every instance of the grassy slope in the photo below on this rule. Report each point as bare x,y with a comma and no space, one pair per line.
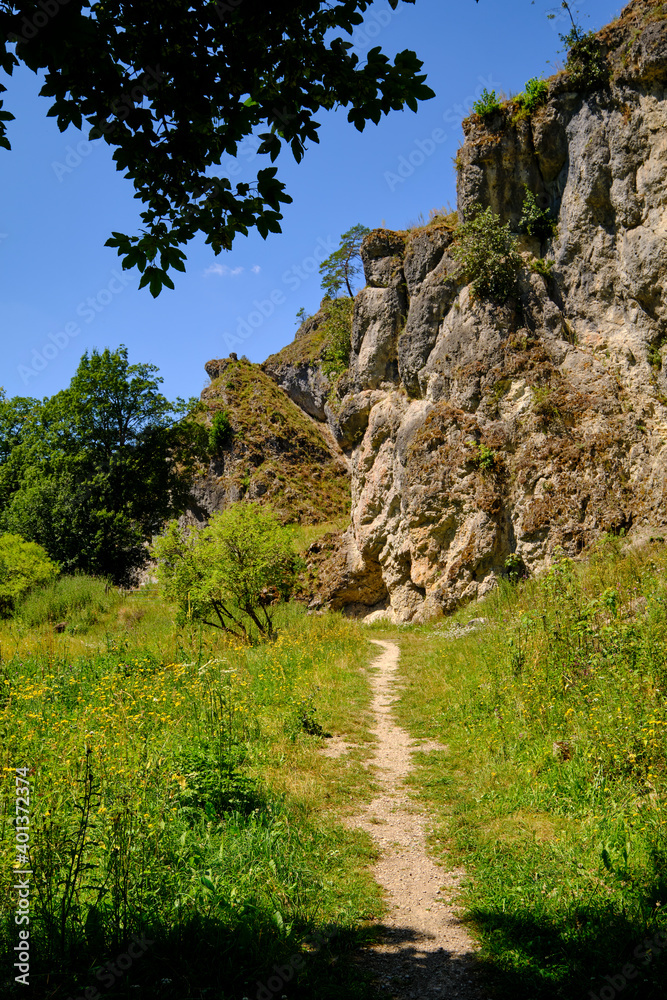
213,823
276,448
553,790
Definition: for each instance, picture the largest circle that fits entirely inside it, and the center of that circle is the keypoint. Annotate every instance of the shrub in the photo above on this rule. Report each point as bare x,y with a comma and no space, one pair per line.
232,574
587,64
220,432
23,565
536,93
80,600
536,221
488,255
337,328
486,104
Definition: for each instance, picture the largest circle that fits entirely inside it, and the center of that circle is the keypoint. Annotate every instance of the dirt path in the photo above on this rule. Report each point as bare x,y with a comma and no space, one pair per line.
427,953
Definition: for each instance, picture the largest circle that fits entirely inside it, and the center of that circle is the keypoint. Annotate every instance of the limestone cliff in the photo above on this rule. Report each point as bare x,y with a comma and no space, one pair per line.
483,436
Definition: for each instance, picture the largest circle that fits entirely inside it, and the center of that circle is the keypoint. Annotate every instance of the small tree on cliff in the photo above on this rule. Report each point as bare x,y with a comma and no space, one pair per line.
344,264
232,574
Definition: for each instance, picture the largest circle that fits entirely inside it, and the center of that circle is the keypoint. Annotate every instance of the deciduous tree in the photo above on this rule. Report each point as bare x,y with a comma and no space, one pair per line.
231,574
174,87
93,472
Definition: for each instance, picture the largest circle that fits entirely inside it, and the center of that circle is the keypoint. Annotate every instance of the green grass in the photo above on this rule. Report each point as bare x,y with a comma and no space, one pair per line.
76,601
552,792
176,793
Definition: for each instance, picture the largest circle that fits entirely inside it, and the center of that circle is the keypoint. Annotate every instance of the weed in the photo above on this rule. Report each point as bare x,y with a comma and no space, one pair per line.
500,389
542,266
486,104
79,601
485,458
220,432
535,94
544,404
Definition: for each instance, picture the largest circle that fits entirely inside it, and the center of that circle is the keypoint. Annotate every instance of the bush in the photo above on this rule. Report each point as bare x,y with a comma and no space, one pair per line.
220,432
23,565
232,574
487,104
587,64
488,255
337,328
536,93
79,600
536,221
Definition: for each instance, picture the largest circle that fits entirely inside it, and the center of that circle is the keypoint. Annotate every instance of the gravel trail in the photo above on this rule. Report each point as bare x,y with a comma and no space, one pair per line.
426,953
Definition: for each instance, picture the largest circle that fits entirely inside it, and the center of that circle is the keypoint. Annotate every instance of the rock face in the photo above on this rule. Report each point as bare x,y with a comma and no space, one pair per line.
485,436
297,367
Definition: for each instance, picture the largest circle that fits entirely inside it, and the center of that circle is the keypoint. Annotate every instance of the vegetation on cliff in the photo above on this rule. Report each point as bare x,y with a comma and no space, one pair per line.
275,454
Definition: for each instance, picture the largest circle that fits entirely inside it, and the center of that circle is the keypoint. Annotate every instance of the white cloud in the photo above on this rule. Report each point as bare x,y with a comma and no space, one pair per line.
223,270
255,269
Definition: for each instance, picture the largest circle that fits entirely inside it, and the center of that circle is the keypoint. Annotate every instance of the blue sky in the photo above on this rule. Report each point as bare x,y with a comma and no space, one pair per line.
61,293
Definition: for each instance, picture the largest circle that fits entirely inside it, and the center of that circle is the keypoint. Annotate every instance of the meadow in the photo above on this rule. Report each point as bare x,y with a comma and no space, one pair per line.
178,797
552,792
180,805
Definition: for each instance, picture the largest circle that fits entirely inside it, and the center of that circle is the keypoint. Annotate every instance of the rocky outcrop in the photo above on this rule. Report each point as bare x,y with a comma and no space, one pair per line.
297,368
273,452
487,437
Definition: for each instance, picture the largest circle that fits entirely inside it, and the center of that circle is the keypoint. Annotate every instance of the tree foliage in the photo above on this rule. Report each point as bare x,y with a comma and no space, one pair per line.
535,220
23,565
173,88
344,264
231,574
94,471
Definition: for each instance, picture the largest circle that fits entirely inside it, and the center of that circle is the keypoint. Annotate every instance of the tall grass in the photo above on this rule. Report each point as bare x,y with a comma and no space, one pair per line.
553,790
178,798
77,601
